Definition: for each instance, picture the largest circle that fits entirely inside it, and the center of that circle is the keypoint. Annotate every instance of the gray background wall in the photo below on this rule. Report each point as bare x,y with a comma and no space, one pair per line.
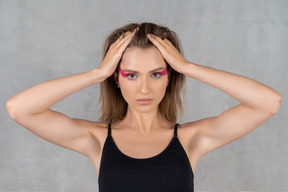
47,39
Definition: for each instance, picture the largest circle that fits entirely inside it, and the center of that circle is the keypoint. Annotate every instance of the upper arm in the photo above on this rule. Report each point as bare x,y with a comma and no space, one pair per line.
58,128
232,124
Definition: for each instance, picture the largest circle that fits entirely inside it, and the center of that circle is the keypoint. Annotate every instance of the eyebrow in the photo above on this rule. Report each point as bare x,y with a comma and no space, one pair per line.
128,70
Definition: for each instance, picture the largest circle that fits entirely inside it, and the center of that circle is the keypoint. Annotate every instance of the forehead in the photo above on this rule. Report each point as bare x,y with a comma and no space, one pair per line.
137,58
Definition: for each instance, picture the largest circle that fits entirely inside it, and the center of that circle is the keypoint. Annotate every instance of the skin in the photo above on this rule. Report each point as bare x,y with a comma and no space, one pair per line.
31,107
144,84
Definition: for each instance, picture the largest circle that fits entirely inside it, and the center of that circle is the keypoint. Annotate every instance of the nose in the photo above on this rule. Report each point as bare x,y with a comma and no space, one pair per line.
144,86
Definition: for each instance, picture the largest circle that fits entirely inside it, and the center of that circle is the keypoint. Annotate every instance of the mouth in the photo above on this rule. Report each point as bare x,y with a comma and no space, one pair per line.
144,101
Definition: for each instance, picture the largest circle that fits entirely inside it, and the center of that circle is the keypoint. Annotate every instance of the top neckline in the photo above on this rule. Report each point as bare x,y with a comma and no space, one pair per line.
147,158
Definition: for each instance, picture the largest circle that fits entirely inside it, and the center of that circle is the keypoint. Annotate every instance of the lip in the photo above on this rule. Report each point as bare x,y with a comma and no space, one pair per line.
144,101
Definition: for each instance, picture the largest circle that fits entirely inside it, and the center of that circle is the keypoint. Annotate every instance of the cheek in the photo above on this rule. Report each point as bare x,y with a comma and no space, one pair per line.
127,89
162,90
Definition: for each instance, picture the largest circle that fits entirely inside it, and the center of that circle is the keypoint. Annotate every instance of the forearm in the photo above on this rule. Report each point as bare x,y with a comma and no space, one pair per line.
248,91
40,97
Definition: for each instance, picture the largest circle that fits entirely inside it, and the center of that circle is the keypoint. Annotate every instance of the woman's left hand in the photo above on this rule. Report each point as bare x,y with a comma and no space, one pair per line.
170,53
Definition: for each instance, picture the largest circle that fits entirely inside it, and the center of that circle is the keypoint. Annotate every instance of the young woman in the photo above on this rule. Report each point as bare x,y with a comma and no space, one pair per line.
137,144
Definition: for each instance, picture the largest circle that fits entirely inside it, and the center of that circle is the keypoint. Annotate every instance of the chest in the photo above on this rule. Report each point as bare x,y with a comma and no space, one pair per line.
135,147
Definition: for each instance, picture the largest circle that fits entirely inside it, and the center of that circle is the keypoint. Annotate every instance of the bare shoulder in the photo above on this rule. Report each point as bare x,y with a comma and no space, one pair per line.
188,132
93,124
193,126
97,129
191,134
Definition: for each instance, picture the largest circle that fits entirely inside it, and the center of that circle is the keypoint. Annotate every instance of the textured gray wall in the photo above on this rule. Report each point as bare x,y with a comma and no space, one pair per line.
42,40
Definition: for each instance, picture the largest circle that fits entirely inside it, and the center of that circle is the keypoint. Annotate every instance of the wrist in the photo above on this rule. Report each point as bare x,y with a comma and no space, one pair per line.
98,75
189,68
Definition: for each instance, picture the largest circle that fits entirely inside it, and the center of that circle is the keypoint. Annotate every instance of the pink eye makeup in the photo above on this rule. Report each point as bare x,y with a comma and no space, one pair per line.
124,74
164,72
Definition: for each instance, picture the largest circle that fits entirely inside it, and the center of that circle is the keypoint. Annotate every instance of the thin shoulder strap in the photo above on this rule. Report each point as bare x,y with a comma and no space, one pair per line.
109,129
175,129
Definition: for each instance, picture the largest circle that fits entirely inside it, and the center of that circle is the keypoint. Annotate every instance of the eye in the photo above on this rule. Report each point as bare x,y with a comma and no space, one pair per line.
128,75
158,75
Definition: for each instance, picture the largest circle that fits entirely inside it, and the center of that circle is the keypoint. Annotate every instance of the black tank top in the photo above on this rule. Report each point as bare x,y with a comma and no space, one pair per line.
169,171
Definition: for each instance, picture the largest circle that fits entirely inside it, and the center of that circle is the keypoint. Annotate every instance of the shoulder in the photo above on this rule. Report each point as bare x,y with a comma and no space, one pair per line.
98,131
191,126
191,131
94,127
91,126
195,125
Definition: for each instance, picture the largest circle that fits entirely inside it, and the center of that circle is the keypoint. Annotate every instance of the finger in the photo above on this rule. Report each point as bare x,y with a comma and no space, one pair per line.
128,37
169,42
161,41
127,33
123,38
124,35
157,41
125,41
132,32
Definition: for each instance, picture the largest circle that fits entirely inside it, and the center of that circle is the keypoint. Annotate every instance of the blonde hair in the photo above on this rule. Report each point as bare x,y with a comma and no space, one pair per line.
114,106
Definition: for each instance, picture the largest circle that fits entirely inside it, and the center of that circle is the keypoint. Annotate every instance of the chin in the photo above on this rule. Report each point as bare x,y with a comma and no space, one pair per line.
144,108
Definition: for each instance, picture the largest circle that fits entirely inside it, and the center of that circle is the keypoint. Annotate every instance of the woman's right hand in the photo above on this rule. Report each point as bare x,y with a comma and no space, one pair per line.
115,53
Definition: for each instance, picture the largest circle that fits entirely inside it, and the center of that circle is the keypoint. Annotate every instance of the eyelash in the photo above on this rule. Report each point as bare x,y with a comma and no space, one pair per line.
153,73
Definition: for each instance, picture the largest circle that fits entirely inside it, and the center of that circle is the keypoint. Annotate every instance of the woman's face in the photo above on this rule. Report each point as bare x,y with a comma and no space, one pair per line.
137,82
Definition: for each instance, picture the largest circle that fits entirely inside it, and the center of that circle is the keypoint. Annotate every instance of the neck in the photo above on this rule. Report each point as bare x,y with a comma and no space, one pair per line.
145,123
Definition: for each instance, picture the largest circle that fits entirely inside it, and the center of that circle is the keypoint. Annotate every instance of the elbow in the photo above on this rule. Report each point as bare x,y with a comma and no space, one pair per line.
276,104
9,106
